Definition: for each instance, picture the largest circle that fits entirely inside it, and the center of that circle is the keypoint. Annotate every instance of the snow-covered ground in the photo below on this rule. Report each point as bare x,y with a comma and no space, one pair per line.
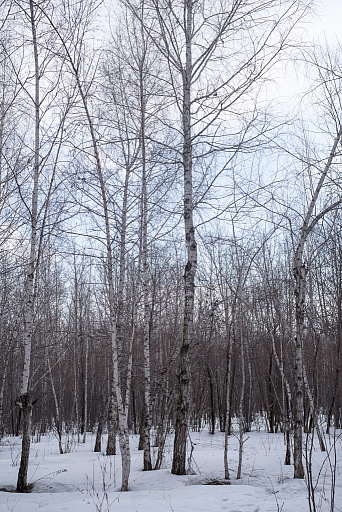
82,481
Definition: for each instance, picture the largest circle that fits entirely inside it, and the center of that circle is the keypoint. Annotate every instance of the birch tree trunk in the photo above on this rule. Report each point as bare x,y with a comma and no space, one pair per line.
85,420
2,391
58,418
183,375
242,395
122,416
287,411
201,97
338,356
25,399
98,439
228,391
111,440
313,411
299,274
146,292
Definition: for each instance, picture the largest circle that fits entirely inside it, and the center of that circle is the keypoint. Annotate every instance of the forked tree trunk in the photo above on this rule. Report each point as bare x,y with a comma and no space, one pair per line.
98,439
112,423
162,431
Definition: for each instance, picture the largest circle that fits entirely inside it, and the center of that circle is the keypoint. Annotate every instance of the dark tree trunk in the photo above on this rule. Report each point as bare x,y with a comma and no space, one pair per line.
270,397
25,403
212,403
142,430
111,442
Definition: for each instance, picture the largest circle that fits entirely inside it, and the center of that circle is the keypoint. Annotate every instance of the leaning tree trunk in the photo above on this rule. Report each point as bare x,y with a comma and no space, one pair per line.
122,416
83,94
299,274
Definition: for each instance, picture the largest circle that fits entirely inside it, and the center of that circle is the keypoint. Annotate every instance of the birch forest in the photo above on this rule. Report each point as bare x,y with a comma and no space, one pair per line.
170,227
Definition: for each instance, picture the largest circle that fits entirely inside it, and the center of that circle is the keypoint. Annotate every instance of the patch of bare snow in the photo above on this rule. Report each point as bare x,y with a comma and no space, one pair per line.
82,481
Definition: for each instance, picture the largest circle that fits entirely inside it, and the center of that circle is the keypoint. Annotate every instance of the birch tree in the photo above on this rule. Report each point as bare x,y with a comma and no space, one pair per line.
135,96
77,23
329,83
194,38
25,401
300,273
36,75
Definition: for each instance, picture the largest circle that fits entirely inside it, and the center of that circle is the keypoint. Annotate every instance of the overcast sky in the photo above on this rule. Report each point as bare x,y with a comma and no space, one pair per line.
329,24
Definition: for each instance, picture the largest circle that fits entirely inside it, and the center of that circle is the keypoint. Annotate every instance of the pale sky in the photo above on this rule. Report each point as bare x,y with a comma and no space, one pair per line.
329,25
324,28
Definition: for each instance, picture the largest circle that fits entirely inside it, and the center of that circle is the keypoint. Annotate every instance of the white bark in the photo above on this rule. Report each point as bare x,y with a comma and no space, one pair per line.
287,404
2,391
29,306
242,395
85,423
122,416
182,408
145,266
25,400
146,329
313,411
299,273
228,391
58,418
